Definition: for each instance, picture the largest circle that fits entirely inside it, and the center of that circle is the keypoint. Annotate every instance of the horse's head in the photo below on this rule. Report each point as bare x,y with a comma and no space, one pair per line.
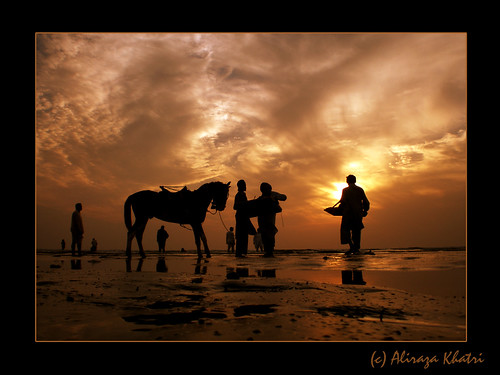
220,195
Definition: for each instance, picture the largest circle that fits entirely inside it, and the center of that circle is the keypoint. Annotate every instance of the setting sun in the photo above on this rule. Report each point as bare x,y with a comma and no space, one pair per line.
337,192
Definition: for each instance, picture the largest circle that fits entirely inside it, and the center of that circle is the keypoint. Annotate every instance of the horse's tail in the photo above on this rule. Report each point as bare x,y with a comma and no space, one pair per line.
127,213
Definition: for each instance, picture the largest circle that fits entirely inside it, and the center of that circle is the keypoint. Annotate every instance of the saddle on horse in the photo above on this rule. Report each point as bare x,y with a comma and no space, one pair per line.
176,194
174,206
176,197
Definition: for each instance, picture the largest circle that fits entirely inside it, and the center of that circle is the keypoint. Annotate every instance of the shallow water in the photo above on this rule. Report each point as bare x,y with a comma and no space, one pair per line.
441,273
293,296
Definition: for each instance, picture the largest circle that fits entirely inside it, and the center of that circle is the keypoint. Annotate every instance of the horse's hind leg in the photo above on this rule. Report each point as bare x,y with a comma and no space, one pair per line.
137,231
141,226
130,237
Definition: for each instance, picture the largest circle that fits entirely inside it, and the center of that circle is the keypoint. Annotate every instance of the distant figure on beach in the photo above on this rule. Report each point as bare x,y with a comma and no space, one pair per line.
257,241
243,224
93,248
76,230
355,207
63,244
230,240
267,220
161,238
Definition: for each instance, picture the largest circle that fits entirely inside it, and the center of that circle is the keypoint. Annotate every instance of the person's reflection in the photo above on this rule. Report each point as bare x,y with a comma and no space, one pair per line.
353,273
242,271
76,264
266,273
128,263
161,265
198,269
353,277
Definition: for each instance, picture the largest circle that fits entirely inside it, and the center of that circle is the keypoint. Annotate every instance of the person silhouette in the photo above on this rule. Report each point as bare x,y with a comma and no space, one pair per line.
76,230
230,240
267,217
243,224
93,248
355,206
257,241
161,238
63,244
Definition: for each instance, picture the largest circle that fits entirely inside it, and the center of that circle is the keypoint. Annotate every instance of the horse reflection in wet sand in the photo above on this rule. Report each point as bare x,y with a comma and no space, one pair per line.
183,207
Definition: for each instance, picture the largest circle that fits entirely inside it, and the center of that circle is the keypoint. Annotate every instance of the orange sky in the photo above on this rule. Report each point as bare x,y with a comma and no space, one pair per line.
119,113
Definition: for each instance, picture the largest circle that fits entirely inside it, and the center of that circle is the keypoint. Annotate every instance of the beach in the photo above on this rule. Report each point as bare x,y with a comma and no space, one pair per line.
299,295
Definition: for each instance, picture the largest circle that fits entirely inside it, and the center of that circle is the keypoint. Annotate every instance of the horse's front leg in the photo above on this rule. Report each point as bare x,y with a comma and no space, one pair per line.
196,232
205,244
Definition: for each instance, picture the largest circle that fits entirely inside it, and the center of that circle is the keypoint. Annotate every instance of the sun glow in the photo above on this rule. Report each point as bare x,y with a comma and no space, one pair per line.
332,193
337,192
353,165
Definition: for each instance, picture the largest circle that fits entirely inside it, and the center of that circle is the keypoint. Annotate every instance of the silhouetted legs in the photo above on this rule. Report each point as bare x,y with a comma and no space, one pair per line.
241,235
130,237
355,242
199,234
268,240
76,241
161,246
350,233
268,232
139,234
137,231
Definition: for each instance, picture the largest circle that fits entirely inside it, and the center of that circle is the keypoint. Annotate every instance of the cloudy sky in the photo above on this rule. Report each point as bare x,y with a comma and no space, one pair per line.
119,113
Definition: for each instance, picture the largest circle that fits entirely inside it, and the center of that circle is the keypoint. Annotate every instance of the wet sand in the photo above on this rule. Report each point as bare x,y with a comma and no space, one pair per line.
103,297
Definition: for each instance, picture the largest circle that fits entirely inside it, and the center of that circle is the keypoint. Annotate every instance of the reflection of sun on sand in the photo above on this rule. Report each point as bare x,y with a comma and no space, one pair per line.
228,299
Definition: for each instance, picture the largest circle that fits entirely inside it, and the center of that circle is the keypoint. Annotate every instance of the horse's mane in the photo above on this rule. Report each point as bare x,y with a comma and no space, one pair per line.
208,185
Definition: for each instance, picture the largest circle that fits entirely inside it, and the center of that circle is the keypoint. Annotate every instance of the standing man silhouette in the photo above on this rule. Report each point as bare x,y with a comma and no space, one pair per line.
230,241
267,218
93,248
243,224
257,241
355,207
76,230
161,238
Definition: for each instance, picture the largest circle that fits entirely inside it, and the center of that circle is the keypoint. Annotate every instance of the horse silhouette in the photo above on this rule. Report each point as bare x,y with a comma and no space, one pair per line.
183,207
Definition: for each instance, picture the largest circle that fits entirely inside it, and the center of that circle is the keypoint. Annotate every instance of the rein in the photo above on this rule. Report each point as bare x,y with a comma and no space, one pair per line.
211,213
220,217
172,187
222,221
